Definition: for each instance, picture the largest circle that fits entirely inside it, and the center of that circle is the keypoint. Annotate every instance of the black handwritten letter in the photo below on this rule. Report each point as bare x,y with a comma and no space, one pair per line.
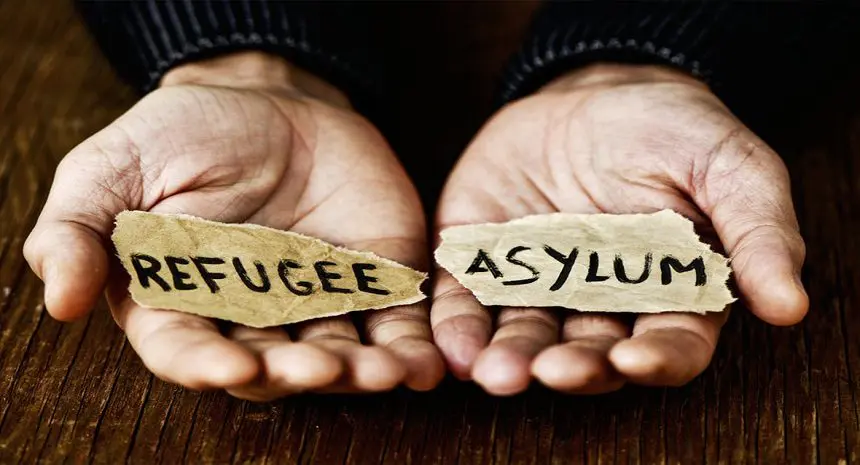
476,267
593,264
669,263
264,286
179,276
566,262
327,277
510,257
144,274
301,287
364,280
209,277
621,274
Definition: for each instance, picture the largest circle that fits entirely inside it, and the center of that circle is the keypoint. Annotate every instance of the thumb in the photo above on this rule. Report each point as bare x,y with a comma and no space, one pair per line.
67,247
745,190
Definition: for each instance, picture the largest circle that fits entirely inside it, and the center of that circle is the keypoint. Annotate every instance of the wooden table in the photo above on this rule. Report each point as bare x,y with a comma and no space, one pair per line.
78,392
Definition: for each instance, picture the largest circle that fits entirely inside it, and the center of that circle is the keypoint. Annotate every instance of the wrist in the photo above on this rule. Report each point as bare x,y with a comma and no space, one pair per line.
610,75
254,70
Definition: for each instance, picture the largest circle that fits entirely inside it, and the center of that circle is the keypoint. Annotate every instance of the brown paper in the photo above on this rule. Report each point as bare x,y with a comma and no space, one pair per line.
185,263
589,263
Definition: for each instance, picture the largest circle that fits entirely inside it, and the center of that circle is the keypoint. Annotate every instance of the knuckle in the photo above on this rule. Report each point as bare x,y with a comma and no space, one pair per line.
466,325
738,161
409,316
539,319
597,325
801,249
756,236
454,292
30,248
794,241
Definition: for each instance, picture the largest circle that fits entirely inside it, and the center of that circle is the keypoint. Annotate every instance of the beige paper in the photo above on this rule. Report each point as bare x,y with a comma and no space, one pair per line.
185,263
589,263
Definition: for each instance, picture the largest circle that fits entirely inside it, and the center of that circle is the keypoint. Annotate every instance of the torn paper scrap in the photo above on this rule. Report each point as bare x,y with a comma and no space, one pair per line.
250,274
642,263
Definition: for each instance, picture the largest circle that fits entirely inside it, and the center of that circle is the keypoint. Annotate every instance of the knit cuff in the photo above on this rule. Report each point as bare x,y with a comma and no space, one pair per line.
695,37
144,39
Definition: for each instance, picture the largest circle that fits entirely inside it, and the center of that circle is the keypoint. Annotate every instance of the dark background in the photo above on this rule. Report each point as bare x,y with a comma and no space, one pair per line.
78,392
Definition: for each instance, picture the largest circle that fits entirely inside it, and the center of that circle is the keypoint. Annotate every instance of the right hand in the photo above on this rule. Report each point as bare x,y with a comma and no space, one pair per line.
242,138
617,139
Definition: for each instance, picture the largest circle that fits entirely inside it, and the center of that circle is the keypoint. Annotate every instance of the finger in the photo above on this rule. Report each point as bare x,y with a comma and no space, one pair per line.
461,325
405,332
746,193
581,364
366,368
668,349
66,248
184,349
503,368
71,260
287,367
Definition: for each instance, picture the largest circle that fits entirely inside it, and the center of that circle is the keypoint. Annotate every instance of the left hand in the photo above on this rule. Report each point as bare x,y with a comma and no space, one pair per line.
617,139
245,137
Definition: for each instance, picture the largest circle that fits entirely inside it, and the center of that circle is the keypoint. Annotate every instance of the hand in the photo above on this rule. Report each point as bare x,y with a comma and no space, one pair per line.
617,139
242,138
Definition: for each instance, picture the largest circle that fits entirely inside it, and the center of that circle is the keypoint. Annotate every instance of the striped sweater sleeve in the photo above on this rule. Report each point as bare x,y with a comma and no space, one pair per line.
143,39
741,49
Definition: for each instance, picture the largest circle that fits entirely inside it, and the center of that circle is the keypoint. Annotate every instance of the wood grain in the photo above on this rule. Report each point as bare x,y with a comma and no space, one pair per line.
78,393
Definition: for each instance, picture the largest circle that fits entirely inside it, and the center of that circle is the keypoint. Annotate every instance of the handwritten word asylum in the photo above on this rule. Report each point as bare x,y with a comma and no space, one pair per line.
517,270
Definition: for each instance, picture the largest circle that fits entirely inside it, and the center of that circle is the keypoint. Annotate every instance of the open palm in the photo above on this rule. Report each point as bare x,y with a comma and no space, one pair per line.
268,155
617,140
